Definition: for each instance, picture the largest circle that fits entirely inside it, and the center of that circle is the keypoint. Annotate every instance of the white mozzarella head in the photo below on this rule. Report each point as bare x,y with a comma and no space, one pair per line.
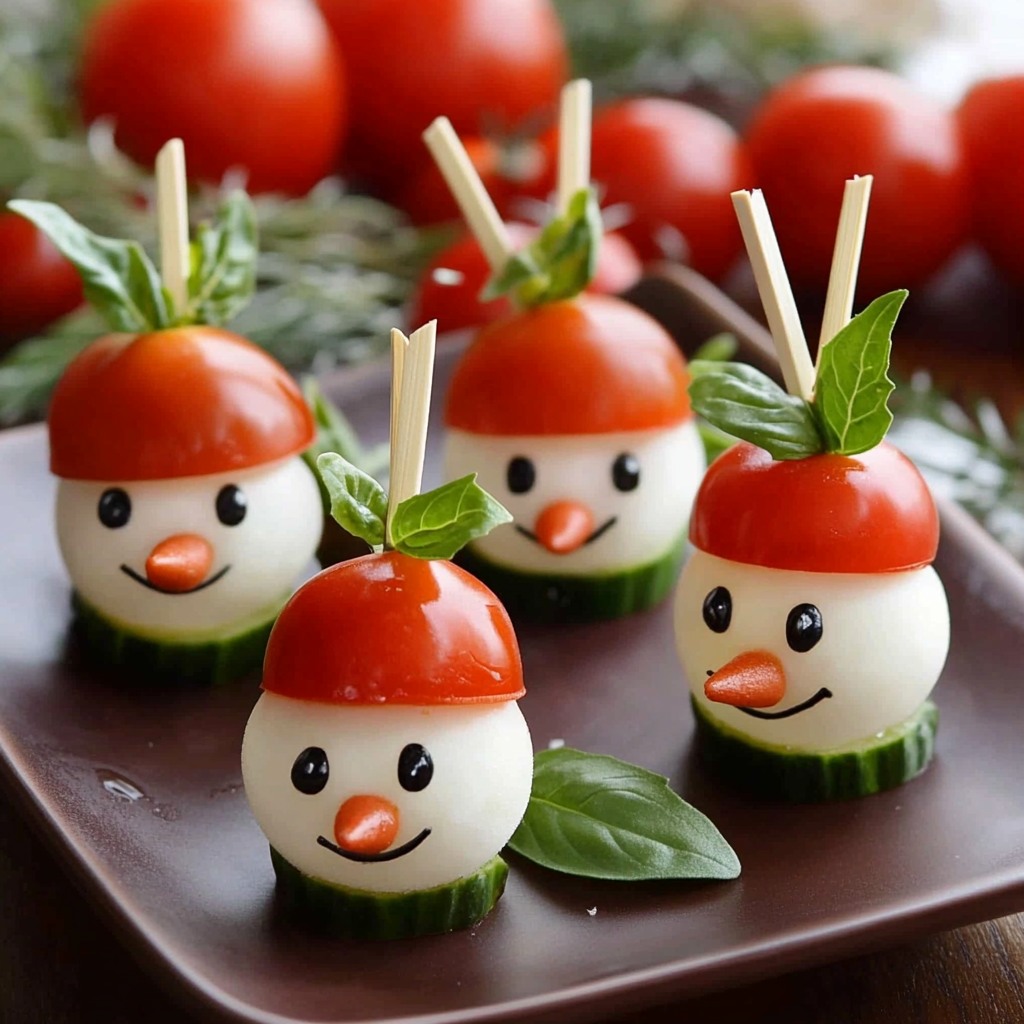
858,653
583,504
387,798
190,555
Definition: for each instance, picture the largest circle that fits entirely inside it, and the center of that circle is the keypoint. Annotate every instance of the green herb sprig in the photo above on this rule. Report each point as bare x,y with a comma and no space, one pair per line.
600,817
850,412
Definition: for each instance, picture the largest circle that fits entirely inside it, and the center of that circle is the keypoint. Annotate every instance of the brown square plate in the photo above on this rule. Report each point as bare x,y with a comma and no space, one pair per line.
138,791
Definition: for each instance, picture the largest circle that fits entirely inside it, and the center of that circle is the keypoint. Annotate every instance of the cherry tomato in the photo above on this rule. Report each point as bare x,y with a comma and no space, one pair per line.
990,119
449,290
826,125
827,513
37,285
485,64
392,629
674,166
507,171
251,84
590,365
179,402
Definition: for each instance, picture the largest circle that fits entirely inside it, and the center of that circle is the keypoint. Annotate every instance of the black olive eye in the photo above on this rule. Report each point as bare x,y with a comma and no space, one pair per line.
521,475
311,771
415,768
718,610
115,508
626,472
803,627
231,505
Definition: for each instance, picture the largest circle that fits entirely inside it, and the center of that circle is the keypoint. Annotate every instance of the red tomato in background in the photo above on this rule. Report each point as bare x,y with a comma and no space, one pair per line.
256,84
449,290
37,285
991,121
674,165
485,64
828,124
507,170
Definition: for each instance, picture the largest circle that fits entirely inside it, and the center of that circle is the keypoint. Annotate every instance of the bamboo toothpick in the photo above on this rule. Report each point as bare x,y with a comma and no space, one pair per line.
172,221
412,372
842,279
458,171
775,291
574,118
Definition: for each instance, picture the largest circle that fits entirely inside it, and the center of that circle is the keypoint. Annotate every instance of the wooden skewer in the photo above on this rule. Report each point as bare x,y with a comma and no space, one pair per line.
172,221
775,291
573,141
469,192
842,278
412,373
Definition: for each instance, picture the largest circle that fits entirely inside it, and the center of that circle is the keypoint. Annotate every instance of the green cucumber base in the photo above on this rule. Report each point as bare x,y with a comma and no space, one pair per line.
801,776
209,660
360,914
541,597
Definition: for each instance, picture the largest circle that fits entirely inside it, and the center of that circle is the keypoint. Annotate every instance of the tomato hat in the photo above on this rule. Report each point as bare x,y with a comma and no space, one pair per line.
867,513
393,629
593,364
173,403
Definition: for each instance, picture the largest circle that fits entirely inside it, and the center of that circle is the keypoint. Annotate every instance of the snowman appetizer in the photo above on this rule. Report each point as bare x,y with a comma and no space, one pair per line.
809,620
184,512
573,410
387,760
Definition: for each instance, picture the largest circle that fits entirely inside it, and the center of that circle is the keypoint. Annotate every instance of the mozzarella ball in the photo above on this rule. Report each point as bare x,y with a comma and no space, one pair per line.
263,525
876,642
476,794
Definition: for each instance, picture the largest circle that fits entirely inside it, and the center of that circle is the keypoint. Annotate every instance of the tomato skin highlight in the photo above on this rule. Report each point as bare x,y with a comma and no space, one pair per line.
37,284
186,401
253,84
482,63
990,119
828,124
392,629
867,513
590,365
458,304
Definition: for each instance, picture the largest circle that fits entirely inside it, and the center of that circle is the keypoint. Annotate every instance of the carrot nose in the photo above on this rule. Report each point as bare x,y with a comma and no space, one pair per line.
366,824
754,679
564,526
179,563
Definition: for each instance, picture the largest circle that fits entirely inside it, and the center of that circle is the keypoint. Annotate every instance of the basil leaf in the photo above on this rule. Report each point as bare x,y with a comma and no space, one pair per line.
853,387
744,402
560,262
117,276
358,502
600,817
223,254
719,348
443,521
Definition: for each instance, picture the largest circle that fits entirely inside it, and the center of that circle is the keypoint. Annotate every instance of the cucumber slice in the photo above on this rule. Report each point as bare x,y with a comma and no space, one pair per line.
545,598
208,659
802,776
359,914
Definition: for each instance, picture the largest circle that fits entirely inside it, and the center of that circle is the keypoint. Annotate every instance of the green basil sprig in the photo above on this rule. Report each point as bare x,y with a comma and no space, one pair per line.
436,524
600,817
562,260
849,414
122,284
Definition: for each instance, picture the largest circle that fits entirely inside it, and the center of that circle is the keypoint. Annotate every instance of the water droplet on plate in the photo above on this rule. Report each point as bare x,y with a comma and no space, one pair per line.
118,786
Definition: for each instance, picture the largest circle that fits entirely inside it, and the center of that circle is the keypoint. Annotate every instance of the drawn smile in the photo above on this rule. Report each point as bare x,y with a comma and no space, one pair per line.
823,694
599,532
129,571
375,858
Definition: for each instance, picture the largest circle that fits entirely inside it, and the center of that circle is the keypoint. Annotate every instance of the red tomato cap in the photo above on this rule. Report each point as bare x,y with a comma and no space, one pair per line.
181,402
866,513
589,365
392,629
